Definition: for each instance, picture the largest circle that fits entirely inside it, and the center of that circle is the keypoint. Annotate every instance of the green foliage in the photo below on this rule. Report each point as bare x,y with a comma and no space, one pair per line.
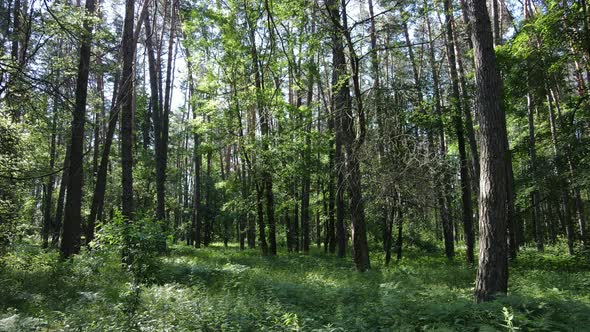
139,242
10,152
219,289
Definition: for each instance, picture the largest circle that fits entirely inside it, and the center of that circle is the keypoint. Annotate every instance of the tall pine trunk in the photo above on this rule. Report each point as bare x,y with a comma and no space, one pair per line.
467,205
73,215
127,80
492,273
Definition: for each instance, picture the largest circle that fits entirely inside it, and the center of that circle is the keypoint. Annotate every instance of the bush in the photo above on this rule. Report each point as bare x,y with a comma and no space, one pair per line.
139,243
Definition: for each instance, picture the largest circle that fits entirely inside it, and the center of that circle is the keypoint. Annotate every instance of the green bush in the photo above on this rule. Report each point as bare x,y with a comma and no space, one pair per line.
139,243
225,289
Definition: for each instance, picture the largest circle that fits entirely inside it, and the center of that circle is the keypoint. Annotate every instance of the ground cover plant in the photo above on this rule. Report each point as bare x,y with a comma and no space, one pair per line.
225,289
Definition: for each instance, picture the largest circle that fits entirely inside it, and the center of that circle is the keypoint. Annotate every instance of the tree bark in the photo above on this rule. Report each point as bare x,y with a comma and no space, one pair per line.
399,242
340,101
127,82
57,221
197,160
70,243
535,196
352,143
305,215
266,177
162,158
467,204
443,199
48,203
492,273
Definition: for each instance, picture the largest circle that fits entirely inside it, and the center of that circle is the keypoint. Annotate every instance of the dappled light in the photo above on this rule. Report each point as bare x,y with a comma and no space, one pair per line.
294,165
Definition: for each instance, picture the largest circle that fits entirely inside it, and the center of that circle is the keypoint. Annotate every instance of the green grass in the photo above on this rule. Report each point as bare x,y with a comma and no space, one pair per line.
219,289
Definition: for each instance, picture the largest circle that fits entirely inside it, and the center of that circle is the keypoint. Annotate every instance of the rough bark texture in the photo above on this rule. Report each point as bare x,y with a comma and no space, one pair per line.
127,80
352,144
492,274
73,214
340,101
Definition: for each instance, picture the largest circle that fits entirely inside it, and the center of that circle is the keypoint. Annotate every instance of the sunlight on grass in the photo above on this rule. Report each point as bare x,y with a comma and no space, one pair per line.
224,289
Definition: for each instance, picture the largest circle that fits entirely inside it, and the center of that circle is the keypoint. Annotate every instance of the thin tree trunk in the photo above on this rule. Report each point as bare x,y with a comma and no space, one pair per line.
400,222
266,177
388,234
197,160
333,175
48,203
162,158
295,224
535,196
467,205
127,80
207,223
442,198
305,215
57,221
96,209
564,188
260,216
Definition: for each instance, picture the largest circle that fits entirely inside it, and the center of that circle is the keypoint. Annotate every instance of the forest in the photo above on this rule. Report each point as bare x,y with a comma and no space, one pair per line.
294,165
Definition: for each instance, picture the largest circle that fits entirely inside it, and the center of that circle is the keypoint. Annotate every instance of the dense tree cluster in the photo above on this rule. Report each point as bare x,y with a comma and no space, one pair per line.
287,124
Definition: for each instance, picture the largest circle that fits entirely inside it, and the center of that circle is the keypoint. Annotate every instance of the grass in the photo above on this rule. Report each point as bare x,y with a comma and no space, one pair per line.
225,289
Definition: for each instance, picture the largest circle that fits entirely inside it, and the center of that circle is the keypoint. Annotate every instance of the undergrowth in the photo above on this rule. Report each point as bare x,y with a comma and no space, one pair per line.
225,289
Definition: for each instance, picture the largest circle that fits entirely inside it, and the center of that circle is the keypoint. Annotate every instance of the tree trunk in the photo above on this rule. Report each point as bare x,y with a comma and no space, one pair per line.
260,216
162,158
207,223
70,243
305,215
442,197
333,174
341,100
388,232
266,175
295,224
127,78
400,223
352,144
197,160
467,205
535,196
57,221
492,274
48,203
564,188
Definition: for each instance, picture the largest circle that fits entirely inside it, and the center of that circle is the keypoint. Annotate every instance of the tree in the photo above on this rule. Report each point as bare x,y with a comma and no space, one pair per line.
492,273
467,205
127,80
70,243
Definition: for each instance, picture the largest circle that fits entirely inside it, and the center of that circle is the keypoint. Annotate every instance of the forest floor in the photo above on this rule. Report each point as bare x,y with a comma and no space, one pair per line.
225,289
